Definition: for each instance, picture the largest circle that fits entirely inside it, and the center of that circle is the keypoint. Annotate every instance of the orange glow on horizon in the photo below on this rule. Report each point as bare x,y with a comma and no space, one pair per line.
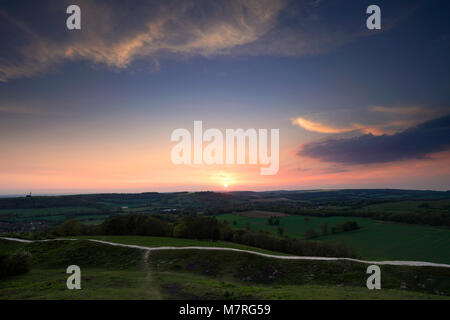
140,170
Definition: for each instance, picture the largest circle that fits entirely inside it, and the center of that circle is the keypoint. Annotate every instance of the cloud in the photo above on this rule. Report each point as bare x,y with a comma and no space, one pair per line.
116,33
375,129
114,36
20,110
401,110
414,143
394,119
411,111
322,128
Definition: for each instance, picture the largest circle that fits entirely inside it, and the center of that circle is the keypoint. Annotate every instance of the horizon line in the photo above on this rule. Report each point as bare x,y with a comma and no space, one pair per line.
49,194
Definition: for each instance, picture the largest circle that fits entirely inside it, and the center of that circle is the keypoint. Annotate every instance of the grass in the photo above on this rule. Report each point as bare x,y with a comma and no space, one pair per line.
110,272
251,269
50,284
421,207
46,213
174,242
85,254
376,240
54,215
7,247
188,286
107,272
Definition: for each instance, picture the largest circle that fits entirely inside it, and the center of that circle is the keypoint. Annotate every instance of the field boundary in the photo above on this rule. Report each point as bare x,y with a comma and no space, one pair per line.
393,263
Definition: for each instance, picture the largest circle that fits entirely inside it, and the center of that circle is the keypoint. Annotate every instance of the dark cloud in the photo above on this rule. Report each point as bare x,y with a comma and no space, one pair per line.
414,143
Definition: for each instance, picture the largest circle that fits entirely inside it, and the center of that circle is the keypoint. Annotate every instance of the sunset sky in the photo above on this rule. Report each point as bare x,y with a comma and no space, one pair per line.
93,110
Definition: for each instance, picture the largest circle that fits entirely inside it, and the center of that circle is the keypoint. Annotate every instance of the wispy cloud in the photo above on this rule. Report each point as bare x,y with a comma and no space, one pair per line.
375,129
400,110
411,110
394,119
115,36
20,110
322,128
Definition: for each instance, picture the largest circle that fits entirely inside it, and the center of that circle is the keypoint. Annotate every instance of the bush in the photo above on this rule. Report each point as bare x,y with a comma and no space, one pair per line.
310,233
345,227
136,224
71,227
15,264
203,228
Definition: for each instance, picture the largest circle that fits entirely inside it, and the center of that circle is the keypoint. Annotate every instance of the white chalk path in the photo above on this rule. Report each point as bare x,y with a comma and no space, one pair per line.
393,263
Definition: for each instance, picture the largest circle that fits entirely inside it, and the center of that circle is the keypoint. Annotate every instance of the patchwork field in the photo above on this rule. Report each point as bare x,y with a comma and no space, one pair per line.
376,240
260,214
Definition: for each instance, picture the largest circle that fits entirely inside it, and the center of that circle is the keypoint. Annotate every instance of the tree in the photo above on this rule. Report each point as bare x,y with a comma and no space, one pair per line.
198,228
324,229
280,230
72,227
310,233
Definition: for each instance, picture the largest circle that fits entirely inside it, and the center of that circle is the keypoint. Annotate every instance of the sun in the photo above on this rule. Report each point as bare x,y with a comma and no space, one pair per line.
223,180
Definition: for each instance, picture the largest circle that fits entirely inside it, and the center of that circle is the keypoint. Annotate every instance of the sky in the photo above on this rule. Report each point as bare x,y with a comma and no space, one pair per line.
93,110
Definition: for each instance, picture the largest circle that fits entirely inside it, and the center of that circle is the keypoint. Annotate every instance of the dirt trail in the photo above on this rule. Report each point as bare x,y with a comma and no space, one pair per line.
152,289
393,263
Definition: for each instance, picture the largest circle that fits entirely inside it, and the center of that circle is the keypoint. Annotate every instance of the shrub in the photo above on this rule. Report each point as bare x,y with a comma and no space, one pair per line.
15,264
310,233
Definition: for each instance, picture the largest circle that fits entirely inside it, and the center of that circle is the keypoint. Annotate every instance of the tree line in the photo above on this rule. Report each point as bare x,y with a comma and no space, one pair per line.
427,216
338,228
201,228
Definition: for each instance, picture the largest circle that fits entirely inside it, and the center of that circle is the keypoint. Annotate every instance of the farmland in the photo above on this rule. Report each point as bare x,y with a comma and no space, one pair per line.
377,240
415,207
394,224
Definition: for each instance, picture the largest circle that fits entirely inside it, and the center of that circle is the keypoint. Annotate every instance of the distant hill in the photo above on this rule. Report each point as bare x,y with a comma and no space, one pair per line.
419,206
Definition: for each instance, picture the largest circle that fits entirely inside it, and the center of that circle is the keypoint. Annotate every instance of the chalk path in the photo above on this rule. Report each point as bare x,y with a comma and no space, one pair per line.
393,263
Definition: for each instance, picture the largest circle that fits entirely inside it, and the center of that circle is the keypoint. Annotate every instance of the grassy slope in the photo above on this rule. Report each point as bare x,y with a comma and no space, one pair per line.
50,284
107,272
377,240
173,242
121,273
218,275
7,247
188,286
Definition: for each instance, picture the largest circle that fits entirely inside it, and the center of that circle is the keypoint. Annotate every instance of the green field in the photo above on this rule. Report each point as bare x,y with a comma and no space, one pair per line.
53,215
422,207
377,240
37,212
174,242
110,272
